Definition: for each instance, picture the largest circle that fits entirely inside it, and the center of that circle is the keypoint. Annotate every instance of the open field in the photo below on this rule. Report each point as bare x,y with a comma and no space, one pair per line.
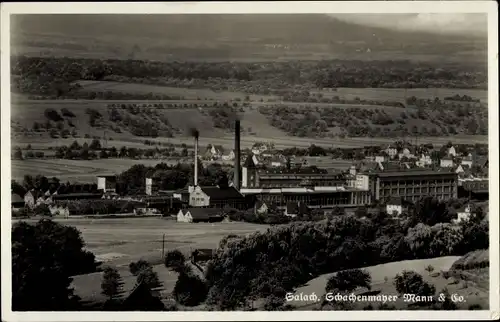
472,293
118,242
400,93
76,170
186,93
193,95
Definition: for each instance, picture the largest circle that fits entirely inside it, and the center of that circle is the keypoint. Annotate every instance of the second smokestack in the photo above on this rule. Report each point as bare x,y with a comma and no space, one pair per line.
237,154
195,159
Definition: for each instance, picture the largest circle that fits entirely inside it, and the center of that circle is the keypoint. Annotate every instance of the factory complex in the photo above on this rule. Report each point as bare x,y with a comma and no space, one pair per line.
291,189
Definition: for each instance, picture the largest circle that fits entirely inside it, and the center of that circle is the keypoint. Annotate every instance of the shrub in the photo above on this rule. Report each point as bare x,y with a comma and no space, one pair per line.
148,277
174,259
190,290
446,240
429,268
409,282
136,267
348,280
111,283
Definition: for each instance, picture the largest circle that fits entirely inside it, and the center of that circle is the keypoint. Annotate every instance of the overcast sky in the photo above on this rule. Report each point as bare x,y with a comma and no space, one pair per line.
471,24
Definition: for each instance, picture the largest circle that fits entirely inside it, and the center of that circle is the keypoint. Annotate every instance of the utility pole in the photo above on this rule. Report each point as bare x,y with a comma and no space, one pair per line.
163,247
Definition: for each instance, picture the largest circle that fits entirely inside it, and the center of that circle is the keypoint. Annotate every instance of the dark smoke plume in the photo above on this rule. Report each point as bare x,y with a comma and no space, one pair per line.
194,132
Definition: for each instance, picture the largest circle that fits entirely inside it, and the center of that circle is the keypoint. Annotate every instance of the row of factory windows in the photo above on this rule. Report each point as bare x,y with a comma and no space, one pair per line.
388,193
309,200
415,198
418,182
405,191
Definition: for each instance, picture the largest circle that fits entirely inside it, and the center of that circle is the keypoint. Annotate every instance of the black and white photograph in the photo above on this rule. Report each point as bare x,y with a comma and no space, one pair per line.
232,161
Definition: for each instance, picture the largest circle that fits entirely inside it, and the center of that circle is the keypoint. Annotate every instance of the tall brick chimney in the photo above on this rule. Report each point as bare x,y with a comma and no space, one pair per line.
237,155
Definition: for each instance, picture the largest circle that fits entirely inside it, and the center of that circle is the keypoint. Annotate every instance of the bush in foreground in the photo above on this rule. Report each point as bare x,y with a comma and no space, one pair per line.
190,290
409,282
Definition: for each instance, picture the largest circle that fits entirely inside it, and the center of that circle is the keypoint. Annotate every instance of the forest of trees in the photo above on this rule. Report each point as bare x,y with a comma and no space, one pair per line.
55,77
240,270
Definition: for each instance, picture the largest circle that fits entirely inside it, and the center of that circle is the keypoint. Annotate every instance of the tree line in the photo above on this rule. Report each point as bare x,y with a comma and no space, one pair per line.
55,77
301,251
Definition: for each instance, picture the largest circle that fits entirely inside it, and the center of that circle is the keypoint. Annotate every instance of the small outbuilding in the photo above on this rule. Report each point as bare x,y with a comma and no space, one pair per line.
199,214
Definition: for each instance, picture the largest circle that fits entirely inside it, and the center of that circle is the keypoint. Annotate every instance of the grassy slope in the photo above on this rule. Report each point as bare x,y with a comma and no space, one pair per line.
472,293
26,113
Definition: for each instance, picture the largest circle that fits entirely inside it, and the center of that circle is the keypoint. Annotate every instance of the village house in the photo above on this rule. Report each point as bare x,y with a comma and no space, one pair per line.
395,207
59,210
261,207
464,213
425,160
459,169
217,197
467,161
452,151
391,151
446,162
229,157
213,152
405,153
199,214
277,161
34,198
259,148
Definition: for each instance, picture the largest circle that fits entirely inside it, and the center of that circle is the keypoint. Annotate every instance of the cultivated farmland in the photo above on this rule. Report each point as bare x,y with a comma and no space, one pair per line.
84,171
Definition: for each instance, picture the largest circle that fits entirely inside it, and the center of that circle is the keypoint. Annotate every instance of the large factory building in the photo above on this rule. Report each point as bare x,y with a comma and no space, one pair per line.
314,187
413,185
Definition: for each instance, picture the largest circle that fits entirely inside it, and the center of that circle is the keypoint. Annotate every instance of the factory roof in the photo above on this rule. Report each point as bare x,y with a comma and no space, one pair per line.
15,198
182,191
303,190
218,193
108,176
78,195
414,172
199,213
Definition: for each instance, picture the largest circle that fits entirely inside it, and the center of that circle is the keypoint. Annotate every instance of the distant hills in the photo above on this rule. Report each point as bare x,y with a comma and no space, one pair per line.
230,36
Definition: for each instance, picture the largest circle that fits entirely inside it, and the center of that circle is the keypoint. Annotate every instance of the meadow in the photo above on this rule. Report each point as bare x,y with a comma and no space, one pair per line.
84,171
118,242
